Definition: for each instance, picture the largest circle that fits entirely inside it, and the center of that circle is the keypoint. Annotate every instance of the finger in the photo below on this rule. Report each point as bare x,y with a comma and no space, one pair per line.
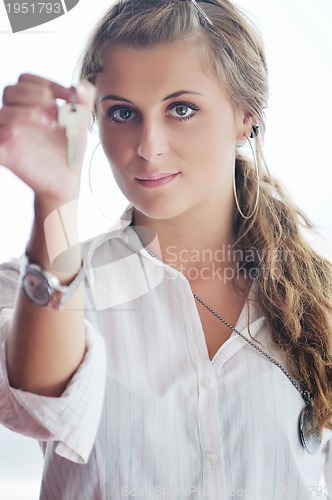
28,94
85,93
18,115
57,90
6,133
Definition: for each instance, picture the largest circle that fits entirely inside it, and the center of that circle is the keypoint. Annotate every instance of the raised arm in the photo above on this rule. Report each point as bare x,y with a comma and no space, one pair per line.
44,347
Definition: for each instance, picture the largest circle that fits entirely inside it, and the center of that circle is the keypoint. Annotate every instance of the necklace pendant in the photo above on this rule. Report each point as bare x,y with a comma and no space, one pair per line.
309,430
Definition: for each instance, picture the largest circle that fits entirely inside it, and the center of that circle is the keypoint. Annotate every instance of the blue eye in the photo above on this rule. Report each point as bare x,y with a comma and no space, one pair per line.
182,110
178,110
121,114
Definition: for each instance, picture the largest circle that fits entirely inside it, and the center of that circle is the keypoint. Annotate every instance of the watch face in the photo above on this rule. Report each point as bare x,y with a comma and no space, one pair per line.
37,288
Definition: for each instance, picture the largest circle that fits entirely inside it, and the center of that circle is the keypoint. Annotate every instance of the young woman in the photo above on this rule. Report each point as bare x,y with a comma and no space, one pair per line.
195,362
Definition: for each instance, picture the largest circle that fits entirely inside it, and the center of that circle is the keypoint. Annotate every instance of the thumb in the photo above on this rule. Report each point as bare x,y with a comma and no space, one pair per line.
86,93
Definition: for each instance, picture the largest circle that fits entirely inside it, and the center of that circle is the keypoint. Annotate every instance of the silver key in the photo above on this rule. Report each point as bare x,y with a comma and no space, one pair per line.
73,117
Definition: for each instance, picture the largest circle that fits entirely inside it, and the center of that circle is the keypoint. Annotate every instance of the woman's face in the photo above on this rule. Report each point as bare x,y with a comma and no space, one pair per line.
168,129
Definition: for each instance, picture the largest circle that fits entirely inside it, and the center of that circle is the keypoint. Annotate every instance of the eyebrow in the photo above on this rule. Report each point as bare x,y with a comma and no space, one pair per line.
113,97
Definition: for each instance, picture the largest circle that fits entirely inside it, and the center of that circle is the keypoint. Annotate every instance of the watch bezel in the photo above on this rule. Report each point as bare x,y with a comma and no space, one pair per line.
44,281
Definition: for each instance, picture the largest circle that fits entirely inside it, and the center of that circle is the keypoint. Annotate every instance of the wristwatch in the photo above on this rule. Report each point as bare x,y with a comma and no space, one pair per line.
43,288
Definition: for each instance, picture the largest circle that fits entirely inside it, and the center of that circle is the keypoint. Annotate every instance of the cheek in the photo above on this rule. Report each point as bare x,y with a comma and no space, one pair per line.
115,146
212,146
216,134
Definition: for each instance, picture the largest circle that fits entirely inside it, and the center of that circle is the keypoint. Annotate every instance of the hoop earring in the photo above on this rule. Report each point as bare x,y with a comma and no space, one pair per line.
258,186
90,183
111,207
89,172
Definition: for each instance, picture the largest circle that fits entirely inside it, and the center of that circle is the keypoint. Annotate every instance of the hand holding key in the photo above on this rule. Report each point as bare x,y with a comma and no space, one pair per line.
39,138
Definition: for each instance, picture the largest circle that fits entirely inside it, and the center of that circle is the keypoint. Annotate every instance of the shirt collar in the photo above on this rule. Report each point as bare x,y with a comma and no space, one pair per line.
115,231
250,312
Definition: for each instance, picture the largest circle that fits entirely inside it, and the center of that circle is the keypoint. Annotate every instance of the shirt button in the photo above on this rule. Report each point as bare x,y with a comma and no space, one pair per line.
211,457
205,382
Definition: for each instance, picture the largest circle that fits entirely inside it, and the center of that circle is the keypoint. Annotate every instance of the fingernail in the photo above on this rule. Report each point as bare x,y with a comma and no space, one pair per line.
73,93
5,133
81,88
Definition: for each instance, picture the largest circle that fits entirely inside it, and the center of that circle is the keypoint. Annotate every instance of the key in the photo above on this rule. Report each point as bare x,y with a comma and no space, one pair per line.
73,117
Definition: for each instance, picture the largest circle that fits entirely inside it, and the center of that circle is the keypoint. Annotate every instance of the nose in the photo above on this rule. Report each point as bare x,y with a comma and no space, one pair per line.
153,142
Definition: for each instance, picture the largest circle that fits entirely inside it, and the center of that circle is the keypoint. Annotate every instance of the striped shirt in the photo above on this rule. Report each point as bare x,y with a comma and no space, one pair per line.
148,414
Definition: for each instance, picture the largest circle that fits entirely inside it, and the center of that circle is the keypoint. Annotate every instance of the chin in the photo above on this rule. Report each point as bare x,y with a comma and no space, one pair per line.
157,210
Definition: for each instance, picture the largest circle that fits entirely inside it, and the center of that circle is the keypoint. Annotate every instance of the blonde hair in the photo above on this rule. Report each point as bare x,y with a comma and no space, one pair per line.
294,289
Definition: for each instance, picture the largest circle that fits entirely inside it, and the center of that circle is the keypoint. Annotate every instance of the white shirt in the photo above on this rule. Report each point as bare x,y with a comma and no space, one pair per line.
168,422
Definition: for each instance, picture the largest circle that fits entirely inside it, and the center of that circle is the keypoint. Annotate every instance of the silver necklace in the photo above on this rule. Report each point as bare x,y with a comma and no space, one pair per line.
310,434
309,429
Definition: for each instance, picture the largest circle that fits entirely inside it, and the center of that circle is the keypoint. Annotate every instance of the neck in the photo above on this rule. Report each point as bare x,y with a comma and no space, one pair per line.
197,240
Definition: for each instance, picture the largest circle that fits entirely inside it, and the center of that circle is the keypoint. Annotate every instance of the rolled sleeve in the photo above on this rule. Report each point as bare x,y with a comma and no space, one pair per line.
71,419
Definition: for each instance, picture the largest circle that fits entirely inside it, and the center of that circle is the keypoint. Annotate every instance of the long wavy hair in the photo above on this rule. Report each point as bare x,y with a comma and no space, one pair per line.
294,289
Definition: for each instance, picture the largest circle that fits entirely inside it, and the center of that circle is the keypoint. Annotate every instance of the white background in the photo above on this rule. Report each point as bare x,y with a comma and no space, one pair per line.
298,41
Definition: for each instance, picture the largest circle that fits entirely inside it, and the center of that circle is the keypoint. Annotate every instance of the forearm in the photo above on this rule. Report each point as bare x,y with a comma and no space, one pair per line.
45,347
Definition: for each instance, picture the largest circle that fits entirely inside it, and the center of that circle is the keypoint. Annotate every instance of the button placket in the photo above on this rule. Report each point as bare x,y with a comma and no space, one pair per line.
212,457
205,382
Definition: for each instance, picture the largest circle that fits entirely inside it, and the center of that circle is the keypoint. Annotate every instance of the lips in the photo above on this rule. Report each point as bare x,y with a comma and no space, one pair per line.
156,179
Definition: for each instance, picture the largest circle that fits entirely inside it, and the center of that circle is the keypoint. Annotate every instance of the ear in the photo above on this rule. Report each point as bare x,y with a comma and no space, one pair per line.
245,122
